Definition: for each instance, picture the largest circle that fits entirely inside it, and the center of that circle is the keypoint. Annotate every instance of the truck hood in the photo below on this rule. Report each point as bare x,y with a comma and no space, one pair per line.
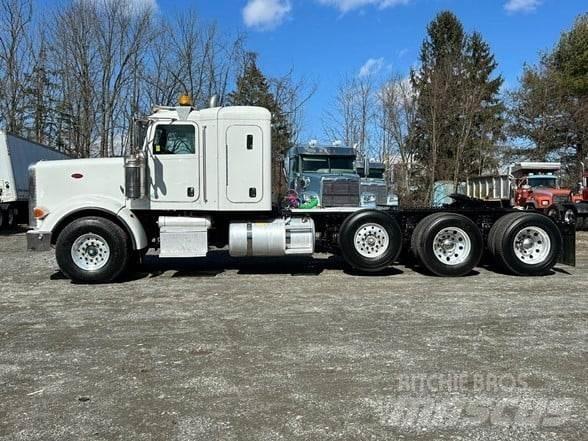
79,177
550,192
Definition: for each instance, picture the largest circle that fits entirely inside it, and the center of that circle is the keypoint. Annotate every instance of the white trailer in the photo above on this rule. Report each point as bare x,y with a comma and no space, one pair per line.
201,179
16,156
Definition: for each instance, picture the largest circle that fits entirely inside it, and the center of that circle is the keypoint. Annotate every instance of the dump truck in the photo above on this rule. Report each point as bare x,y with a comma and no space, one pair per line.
527,185
16,155
201,179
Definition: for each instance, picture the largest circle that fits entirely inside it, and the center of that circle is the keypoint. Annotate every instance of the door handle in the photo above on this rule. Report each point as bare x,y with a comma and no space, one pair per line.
190,192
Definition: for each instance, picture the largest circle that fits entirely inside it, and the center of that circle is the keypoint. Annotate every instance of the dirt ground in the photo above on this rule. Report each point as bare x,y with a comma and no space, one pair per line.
290,349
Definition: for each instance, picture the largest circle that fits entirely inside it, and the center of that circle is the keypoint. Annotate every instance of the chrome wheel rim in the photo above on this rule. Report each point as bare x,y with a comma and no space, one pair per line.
532,245
452,246
90,252
371,240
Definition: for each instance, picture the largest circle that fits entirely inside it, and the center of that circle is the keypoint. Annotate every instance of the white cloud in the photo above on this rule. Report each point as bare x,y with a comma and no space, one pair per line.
349,5
371,67
521,5
266,14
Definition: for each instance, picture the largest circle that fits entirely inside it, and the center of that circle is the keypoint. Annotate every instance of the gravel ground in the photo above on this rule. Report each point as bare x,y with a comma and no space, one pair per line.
290,349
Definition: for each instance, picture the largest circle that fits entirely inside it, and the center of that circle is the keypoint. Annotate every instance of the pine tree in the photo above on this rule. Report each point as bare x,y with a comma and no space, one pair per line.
458,107
253,90
550,109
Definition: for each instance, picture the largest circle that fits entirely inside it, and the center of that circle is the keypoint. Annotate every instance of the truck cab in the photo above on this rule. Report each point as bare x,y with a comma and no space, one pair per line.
324,173
374,190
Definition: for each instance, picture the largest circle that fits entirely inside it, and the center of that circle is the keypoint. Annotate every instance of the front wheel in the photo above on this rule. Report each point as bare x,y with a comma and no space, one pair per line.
92,250
370,240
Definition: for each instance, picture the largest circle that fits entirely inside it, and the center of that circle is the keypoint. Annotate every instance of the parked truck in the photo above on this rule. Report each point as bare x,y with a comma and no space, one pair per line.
201,179
528,185
374,190
16,155
323,173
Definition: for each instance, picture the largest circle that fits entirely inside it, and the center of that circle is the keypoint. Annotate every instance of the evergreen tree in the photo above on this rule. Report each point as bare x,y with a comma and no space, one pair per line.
253,89
550,109
458,122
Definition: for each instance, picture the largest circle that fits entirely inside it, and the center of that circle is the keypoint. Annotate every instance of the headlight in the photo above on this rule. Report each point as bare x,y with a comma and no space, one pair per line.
570,216
545,203
368,199
392,200
304,182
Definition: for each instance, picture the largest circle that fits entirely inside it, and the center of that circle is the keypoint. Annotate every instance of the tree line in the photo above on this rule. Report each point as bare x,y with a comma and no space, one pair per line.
74,78
451,119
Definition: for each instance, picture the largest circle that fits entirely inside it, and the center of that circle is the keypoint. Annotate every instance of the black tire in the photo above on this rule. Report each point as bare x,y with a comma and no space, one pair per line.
11,214
498,228
503,236
114,236
7,218
381,223
459,229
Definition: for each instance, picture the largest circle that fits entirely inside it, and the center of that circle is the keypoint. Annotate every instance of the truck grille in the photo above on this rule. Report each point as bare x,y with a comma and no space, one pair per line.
561,200
339,192
378,190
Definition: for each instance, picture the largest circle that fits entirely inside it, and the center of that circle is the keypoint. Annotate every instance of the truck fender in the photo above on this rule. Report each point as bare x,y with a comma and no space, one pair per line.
81,204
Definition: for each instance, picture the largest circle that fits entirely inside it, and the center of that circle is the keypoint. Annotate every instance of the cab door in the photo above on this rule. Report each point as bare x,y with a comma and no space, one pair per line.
244,166
174,164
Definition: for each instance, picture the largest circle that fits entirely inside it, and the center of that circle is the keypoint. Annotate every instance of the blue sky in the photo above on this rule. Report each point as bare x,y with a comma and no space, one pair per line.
325,40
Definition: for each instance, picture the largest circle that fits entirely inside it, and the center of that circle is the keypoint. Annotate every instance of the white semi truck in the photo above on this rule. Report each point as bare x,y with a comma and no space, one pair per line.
16,155
201,180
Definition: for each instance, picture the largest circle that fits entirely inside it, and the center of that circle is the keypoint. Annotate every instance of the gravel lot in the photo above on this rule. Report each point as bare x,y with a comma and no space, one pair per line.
275,349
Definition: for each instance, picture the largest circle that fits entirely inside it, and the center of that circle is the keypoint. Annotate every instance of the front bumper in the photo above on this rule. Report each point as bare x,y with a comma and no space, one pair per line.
38,241
582,208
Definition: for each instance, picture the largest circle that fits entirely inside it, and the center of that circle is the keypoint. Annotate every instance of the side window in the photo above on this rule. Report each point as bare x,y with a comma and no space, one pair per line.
174,139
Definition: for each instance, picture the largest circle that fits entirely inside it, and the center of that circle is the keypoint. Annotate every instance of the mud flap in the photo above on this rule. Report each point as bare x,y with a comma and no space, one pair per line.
568,252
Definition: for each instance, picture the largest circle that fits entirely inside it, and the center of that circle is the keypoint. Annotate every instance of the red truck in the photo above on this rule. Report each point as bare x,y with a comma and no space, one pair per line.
537,186
528,185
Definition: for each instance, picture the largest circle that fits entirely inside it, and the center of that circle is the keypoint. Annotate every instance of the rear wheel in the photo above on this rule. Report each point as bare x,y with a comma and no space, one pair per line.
92,250
7,218
525,244
448,244
10,218
370,240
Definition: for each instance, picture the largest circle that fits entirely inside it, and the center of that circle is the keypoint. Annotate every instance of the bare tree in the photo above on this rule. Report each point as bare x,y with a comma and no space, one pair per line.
192,57
292,95
352,114
15,61
75,56
396,113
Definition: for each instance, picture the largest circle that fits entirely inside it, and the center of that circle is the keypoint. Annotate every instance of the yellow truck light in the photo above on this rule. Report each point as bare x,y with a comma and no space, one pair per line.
40,213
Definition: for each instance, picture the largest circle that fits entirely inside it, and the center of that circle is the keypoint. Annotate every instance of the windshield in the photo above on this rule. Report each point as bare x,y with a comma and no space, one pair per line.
543,182
327,164
376,173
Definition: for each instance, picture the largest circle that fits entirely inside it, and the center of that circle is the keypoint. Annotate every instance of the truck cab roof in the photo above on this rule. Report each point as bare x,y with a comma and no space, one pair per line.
184,113
320,150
